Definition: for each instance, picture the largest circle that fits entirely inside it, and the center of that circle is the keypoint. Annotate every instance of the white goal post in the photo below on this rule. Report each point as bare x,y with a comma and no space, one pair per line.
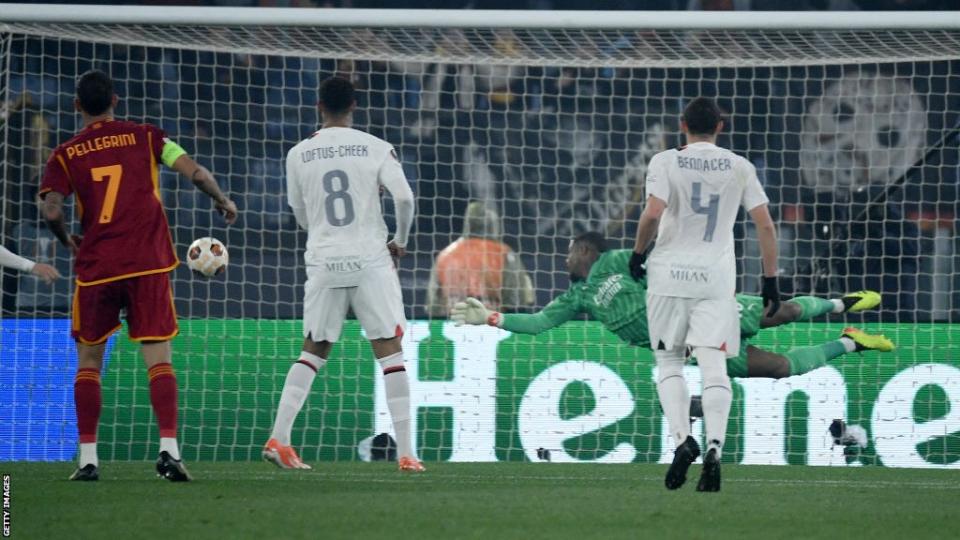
547,119
837,37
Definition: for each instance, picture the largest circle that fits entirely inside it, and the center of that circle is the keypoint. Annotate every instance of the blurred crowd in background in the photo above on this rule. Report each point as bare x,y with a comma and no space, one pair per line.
549,151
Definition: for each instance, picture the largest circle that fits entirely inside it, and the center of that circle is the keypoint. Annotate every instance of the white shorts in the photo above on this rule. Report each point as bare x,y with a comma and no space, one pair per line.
376,301
693,322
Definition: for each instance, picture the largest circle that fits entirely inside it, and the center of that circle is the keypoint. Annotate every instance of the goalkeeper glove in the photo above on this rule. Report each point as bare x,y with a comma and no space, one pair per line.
472,311
638,265
771,296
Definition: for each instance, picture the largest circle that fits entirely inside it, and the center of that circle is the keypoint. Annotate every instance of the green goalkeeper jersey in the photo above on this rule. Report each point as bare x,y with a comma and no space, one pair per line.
609,295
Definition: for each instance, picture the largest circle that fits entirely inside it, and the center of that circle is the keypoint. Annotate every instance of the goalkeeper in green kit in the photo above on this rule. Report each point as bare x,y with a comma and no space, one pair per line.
602,287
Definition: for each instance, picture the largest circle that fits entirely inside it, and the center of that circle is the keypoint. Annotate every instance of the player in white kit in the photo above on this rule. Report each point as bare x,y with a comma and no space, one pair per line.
43,271
693,194
334,181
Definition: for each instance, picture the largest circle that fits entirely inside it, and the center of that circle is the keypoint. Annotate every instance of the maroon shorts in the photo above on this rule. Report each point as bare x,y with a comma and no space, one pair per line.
148,301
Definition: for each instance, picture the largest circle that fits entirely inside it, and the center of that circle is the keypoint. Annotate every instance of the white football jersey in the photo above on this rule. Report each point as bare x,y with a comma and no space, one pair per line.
333,183
704,186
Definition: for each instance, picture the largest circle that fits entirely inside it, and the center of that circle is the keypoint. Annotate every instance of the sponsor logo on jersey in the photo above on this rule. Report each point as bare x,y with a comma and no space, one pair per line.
343,266
608,289
689,273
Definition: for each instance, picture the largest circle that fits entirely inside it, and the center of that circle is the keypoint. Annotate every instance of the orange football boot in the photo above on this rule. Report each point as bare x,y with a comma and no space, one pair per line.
282,456
409,464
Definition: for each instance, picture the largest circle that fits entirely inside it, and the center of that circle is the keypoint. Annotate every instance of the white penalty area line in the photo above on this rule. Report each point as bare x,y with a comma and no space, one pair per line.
405,478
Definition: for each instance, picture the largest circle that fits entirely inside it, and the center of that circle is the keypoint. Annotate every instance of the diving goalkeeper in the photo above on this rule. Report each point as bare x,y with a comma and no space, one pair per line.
601,286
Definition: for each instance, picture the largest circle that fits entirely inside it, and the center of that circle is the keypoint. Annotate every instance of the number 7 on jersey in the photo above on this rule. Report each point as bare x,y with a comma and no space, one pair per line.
112,174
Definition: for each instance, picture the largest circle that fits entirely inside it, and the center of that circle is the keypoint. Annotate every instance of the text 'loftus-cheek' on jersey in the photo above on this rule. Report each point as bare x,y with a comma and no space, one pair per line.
704,186
112,168
334,180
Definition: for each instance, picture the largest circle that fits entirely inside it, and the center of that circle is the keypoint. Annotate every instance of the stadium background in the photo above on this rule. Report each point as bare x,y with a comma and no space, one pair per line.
559,157
556,151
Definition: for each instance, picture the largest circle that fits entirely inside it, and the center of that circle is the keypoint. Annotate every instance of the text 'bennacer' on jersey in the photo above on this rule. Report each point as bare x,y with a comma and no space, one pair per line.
330,152
704,165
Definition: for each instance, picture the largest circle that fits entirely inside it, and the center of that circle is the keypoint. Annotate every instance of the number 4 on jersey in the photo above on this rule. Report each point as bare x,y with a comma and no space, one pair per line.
710,210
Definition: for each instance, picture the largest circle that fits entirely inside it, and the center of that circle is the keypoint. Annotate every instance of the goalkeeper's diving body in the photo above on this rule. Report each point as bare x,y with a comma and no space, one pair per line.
602,287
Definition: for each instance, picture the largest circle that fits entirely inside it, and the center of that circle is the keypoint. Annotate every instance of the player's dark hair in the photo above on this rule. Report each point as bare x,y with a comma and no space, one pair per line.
95,92
594,240
337,95
702,116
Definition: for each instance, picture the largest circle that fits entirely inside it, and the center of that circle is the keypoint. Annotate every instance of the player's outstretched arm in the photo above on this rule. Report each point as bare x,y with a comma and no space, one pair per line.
45,272
767,236
205,182
472,311
646,231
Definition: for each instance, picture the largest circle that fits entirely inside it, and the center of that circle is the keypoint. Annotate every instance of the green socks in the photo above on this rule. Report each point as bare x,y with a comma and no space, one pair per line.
812,307
807,359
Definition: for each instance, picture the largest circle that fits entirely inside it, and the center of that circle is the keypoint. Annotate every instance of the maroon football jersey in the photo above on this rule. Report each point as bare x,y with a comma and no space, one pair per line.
112,167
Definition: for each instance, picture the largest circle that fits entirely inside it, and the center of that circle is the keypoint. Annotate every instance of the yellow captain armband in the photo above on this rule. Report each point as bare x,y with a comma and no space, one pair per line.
171,152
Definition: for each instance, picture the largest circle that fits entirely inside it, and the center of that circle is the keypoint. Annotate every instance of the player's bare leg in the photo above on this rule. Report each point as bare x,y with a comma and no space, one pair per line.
717,397
296,388
805,308
767,364
87,395
390,357
157,357
675,402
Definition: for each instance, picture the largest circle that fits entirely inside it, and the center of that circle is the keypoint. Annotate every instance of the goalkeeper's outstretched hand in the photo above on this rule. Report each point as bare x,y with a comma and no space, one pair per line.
472,311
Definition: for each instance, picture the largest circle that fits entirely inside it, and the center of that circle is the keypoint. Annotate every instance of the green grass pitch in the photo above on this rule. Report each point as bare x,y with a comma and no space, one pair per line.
488,501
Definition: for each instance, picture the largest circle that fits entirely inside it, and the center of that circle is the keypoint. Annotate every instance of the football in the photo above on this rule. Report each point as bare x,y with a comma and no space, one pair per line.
207,256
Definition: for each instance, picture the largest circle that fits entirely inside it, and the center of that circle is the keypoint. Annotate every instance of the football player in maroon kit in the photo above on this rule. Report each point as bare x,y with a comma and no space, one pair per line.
124,257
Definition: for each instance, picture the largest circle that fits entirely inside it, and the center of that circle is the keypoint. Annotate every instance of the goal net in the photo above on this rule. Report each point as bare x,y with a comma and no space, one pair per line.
525,128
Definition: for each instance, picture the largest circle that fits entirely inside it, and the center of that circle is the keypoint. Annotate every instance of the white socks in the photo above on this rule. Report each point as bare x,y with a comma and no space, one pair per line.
397,388
88,451
673,392
169,444
838,306
88,454
849,345
717,394
300,378
295,391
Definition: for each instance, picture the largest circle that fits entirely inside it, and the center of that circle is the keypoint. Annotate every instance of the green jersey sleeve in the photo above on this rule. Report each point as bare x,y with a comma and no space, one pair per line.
560,310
